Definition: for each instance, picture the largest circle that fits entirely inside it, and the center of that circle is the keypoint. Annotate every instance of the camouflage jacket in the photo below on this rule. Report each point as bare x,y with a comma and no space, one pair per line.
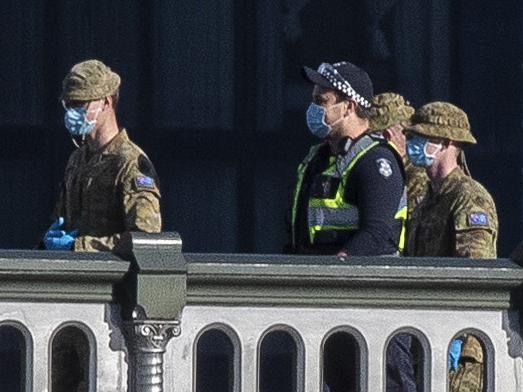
468,377
458,220
108,192
417,184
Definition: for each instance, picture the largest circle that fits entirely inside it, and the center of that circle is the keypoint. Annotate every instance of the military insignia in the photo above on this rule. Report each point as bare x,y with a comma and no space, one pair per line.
144,182
384,167
478,219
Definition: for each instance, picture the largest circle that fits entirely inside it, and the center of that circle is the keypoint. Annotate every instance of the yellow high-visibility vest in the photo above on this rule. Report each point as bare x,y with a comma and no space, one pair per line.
336,214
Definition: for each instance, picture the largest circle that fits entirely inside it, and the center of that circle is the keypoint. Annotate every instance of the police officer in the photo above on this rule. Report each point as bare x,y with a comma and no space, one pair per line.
457,218
110,186
350,196
389,114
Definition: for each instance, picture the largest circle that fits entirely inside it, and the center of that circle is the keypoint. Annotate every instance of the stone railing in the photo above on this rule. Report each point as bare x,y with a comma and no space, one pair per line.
172,321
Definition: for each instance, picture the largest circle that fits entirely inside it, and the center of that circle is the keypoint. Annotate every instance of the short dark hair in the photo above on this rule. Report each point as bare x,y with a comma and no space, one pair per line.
116,100
361,112
459,149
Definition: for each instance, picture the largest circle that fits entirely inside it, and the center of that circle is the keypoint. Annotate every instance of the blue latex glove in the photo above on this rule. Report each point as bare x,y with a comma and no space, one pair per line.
54,230
455,353
58,239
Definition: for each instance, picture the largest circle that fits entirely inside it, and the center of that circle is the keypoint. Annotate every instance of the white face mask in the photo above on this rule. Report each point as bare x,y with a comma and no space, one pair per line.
437,148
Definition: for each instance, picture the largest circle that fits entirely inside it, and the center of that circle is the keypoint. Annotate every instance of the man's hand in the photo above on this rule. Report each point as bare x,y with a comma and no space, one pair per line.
396,136
57,239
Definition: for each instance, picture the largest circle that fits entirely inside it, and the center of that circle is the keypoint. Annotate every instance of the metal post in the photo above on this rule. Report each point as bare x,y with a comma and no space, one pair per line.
147,340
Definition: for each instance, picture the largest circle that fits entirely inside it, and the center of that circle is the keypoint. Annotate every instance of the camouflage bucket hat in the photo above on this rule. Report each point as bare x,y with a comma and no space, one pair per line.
88,81
389,109
442,120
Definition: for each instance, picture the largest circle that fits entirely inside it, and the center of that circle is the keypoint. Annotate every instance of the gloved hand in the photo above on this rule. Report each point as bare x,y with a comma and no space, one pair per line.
58,239
455,353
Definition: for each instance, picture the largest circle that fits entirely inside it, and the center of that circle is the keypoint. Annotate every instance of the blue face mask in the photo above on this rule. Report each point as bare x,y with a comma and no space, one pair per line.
417,151
316,121
76,122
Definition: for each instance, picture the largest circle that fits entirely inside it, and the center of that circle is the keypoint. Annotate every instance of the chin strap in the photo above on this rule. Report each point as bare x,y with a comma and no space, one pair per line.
75,142
462,162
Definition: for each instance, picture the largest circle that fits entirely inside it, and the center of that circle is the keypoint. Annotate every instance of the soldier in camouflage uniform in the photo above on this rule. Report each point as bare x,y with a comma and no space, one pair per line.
389,113
110,186
457,218
468,377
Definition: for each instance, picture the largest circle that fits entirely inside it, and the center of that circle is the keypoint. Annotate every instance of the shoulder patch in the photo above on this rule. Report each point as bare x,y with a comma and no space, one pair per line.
145,166
144,182
384,167
478,219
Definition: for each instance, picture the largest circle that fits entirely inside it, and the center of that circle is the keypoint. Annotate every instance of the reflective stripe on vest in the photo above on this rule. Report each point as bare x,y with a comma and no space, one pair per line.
302,167
336,214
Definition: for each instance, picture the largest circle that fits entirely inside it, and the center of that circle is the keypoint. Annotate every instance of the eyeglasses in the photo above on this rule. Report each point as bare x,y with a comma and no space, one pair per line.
340,83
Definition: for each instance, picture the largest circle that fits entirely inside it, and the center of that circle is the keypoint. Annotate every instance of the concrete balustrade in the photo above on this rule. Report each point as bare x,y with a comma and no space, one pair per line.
164,320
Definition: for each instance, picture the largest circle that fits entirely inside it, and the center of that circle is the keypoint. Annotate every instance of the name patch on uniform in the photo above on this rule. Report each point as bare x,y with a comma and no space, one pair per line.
144,182
384,167
478,219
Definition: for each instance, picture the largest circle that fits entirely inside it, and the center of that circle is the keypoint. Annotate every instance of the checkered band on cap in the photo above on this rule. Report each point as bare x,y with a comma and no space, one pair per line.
340,83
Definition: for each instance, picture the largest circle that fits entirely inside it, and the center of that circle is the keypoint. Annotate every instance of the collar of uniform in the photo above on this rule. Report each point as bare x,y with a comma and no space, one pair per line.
446,183
347,143
116,143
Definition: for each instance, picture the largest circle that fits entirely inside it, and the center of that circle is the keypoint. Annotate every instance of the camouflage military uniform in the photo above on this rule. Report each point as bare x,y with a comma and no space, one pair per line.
468,377
445,224
457,220
109,192
417,185
390,109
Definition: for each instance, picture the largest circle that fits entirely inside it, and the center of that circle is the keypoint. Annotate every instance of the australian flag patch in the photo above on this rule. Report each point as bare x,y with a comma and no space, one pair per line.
144,182
478,219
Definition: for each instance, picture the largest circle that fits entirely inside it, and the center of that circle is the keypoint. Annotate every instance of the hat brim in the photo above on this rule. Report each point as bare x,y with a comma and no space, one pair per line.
313,76
436,131
406,124
378,124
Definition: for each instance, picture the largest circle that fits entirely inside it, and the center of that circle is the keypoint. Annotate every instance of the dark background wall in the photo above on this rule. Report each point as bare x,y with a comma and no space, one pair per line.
212,92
